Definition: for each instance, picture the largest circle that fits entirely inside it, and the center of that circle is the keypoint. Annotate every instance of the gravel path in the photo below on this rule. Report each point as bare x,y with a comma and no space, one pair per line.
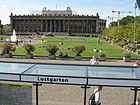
52,94
73,95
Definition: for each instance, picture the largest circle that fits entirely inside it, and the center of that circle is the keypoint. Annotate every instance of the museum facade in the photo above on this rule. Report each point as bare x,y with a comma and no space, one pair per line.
57,21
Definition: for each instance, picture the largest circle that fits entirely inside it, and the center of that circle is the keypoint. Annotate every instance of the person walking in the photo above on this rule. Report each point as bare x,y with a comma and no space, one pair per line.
94,61
137,102
137,63
97,95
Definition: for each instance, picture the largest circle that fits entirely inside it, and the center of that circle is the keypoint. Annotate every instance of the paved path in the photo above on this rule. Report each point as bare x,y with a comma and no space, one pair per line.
108,62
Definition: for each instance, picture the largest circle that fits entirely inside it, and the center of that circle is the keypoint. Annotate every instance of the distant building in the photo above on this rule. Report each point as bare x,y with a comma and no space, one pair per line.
57,21
7,26
48,12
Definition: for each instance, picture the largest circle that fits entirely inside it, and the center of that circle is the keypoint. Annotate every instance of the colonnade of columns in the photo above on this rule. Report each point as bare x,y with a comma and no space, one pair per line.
58,25
70,26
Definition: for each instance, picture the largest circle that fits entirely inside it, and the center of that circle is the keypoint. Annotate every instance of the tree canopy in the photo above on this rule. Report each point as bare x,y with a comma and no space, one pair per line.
125,30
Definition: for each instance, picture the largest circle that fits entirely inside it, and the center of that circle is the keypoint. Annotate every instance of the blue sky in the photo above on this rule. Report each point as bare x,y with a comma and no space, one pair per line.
85,7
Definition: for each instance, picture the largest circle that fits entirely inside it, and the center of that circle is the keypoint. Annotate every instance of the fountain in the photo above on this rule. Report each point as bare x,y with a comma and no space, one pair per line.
14,37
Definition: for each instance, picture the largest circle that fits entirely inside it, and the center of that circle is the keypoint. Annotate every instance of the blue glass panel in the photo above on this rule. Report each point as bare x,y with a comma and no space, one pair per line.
114,72
58,70
13,67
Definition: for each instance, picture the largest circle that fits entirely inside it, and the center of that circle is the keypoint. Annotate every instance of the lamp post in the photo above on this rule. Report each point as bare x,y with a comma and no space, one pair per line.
119,12
135,22
111,19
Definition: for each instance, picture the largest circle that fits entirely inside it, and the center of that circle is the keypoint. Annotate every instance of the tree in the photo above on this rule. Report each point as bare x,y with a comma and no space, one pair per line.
2,31
112,24
125,30
52,49
126,20
29,48
78,49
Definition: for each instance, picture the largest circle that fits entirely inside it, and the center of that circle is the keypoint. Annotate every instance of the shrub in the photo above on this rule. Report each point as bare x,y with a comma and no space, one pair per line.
52,49
120,44
7,48
107,39
115,41
78,50
29,48
132,48
125,43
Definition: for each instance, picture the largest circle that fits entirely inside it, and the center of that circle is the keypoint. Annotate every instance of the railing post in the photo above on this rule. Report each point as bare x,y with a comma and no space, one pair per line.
37,84
85,92
135,94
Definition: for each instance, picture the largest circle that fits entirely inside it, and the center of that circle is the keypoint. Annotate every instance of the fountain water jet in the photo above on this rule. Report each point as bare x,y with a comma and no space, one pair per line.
14,37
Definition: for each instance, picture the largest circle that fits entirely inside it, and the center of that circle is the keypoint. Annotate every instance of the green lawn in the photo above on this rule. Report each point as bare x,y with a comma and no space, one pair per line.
111,50
80,39
18,37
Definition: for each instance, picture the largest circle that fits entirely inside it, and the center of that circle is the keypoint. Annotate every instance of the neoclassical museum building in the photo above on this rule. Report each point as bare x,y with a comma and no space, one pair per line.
57,21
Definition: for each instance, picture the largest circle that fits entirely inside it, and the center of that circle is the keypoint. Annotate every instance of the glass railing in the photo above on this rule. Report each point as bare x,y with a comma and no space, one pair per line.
70,74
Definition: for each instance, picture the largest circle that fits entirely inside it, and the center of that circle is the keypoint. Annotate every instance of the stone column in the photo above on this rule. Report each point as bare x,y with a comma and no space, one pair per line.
46,28
28,25
97,26
87,26
64,29
59,26
41,29
24,28
69,26
54,25
91,26
50,25
82,30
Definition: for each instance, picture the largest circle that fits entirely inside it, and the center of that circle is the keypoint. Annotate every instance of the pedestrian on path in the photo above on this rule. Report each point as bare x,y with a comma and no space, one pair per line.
137,63
137,102
96,100
94,61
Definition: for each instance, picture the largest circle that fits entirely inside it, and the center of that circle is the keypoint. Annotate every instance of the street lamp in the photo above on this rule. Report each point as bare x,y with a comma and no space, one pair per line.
119,12
111,18
135,22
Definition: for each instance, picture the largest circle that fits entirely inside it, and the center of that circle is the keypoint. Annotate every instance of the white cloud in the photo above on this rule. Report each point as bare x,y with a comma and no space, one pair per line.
2,6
